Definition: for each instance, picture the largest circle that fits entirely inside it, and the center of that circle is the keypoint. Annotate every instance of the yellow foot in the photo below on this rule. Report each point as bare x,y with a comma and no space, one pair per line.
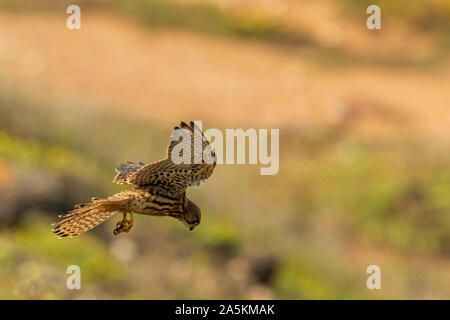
120,227
124,225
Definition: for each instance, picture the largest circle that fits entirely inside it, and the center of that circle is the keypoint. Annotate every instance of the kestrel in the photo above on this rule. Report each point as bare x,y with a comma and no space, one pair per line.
160,187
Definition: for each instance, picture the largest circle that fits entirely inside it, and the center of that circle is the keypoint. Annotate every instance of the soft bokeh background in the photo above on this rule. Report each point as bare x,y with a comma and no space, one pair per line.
364,120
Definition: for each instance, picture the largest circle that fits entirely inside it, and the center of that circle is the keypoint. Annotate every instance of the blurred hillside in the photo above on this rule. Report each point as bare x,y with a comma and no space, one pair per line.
364,160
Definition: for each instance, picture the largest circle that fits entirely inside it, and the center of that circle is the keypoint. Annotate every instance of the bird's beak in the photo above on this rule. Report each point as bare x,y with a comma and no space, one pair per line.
191,228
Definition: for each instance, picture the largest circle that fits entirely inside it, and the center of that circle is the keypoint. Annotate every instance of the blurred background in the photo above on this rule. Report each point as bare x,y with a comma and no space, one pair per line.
364,121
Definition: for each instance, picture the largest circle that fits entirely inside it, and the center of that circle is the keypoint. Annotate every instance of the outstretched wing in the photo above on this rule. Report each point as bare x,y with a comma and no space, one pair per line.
169,173
196,140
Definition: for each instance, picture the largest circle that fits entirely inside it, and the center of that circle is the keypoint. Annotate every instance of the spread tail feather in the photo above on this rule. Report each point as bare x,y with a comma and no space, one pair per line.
87,216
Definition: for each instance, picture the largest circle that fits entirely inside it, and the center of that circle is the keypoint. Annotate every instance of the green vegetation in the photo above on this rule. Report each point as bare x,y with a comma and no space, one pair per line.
198,17
33,262
426,15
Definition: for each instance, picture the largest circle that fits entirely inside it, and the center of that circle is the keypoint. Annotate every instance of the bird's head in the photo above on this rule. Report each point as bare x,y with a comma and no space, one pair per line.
191,215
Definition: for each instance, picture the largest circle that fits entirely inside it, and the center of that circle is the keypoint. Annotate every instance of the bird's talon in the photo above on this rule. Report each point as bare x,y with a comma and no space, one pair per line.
123,226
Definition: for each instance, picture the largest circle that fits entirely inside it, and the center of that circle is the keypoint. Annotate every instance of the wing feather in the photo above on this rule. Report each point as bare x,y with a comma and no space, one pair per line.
125,170
166,173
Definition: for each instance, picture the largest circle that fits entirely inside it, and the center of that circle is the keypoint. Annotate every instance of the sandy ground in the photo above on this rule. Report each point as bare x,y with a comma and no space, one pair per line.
167,75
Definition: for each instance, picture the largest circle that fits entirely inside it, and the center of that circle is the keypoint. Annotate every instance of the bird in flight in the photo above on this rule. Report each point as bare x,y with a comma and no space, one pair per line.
159,187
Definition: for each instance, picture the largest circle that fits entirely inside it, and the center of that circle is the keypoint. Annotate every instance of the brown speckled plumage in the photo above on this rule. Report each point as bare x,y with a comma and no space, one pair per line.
160,190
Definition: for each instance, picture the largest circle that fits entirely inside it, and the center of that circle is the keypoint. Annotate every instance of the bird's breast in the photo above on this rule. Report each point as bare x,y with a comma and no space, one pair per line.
155,204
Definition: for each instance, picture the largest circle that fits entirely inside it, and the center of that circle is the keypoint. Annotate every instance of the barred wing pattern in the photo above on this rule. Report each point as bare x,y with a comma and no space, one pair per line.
124,170
166,173
197,141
